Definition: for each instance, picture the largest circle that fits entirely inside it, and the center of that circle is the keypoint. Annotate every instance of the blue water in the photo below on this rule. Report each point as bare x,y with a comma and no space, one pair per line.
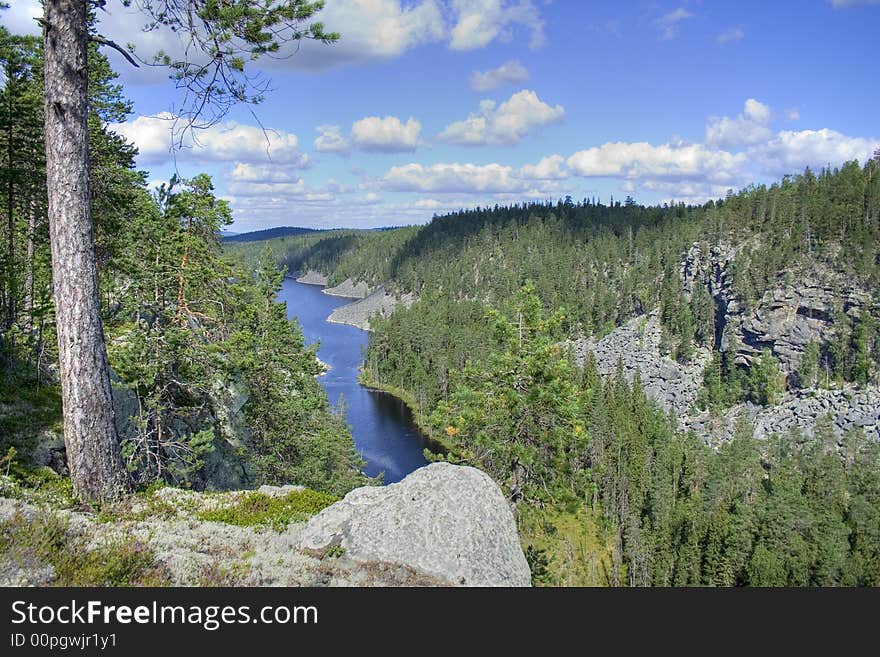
382,426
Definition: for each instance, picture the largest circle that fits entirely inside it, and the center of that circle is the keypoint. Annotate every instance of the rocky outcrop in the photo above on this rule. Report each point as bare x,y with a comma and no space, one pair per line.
709,266
359,312
444,520
802,308
312,277
636,344
349,289
848,409
444,525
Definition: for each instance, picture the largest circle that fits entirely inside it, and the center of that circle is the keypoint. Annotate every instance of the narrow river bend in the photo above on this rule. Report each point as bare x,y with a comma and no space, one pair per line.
382,426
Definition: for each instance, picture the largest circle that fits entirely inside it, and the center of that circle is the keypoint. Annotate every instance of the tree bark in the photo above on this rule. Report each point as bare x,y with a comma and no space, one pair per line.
93,452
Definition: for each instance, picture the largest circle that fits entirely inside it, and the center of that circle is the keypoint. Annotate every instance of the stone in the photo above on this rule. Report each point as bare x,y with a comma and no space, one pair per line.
444,520
350,289
312,277
358,313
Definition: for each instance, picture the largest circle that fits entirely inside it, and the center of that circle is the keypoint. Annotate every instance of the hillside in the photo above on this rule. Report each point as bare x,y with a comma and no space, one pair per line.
269,234
572,349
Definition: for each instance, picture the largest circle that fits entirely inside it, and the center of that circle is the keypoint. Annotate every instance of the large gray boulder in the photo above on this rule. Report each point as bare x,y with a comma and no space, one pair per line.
444,520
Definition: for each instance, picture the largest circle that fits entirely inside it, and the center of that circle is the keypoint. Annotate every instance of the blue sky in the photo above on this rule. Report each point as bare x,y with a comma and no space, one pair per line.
425,106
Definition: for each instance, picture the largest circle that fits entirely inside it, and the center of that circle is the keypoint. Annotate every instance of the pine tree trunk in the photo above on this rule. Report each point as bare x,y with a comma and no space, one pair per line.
93,452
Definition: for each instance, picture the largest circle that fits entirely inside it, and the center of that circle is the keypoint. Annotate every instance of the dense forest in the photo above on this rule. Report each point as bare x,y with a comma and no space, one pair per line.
608,490
213,384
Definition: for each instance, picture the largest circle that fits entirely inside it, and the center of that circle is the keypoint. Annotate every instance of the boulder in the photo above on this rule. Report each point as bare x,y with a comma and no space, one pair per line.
444,520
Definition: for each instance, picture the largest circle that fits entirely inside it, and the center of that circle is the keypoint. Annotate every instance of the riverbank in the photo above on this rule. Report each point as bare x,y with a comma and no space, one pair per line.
312,277
382,426
358,313
439,444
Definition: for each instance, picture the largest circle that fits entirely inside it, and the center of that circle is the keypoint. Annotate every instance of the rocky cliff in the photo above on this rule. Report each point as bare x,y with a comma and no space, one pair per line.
350,289
358,313
636,346
800,308
443,525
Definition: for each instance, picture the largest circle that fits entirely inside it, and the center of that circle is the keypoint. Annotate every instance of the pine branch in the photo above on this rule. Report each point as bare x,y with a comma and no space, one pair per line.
97,38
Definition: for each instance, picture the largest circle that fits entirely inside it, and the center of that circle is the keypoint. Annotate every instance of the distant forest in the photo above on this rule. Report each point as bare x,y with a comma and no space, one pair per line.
607,490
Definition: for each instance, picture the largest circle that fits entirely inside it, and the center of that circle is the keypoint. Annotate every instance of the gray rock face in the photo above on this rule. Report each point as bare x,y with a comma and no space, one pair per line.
806,308
674,386
312,277
358,313
849,408
349,289
444,520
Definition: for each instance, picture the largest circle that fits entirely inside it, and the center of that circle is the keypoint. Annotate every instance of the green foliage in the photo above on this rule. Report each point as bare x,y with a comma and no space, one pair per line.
766,379
516,414
809,369
34,542
259,510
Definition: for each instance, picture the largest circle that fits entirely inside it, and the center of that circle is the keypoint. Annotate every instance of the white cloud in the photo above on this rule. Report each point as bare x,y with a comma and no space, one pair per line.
511,72
330,140
428,203
374,29
672,161
261,173
385,135
451,178
551,167
229,141
731,36
494,178
480,22
297,188
21,15
504,124
370,29
792,151
668,24
750,127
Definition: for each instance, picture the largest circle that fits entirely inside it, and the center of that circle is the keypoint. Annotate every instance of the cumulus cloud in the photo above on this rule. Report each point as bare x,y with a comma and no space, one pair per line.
374,29
511,72
731,36
330,140
669,24
451,178
792,151
371,29
261,173
551,167
228,141
457,178
385,135
671,161
479,22
750,127
428,203
503,124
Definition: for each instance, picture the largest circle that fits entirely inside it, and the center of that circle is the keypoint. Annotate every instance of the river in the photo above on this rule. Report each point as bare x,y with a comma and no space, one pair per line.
382,426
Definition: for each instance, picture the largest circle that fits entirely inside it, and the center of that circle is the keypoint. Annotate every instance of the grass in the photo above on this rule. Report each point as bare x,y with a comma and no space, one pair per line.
26,411
32,543
263,511
566,547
